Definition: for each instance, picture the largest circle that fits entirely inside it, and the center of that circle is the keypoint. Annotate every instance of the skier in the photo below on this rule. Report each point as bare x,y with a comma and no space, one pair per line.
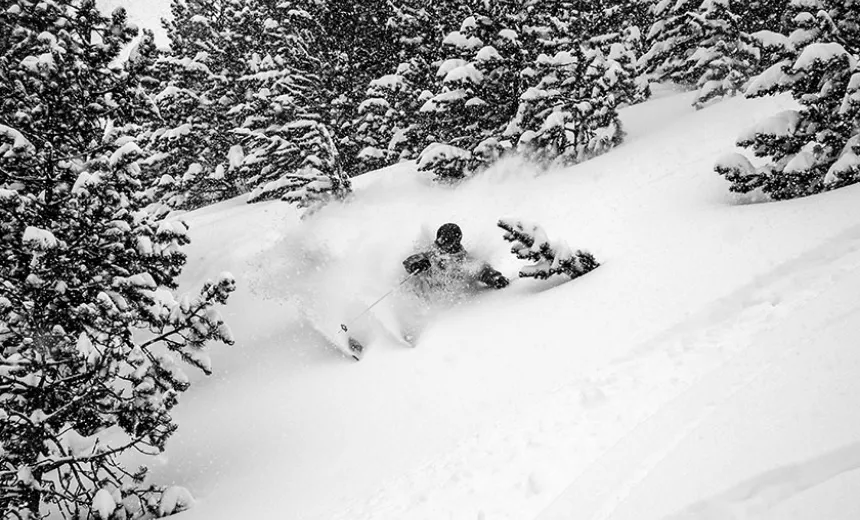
441,275
448,267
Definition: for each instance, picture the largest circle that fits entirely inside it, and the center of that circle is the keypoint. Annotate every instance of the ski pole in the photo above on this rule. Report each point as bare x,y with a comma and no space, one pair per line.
372,305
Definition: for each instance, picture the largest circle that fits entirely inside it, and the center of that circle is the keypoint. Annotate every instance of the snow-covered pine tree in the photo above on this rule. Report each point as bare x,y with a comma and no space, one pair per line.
615,27
285,148
304,159
549,26
768,22
816,147
570,114
545,29
616,16
622,56
476,97
354,45
186,165
726,56
604,130
288,88
385,127
196,86
451,116
771,47
501,61
771,15
418,28
90,332
530,242
398,129
673,38
702,45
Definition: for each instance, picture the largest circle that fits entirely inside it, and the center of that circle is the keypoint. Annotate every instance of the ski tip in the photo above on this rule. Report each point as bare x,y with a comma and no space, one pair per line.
356,349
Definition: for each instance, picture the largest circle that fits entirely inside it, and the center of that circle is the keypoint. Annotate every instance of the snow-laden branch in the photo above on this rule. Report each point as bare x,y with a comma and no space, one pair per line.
530,242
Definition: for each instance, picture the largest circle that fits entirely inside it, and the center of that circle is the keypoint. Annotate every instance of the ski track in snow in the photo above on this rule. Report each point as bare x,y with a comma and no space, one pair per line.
762,492
788,288
546,400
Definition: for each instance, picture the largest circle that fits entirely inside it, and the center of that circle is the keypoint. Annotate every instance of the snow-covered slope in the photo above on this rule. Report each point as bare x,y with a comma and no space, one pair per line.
708,369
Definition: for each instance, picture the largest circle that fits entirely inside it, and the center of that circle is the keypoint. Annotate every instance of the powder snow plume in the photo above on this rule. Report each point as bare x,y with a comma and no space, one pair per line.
329,267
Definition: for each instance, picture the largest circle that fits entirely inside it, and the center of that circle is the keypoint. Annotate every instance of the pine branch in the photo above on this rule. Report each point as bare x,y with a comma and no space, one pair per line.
531,243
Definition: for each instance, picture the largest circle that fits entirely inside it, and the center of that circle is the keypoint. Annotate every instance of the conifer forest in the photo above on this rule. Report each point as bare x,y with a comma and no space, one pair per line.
119,141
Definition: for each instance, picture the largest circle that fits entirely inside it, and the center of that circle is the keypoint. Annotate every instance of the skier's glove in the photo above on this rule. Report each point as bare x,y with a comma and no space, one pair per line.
416,263
499,281
495,279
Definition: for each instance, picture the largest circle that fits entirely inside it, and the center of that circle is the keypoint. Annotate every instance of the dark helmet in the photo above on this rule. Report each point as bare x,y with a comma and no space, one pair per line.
448,236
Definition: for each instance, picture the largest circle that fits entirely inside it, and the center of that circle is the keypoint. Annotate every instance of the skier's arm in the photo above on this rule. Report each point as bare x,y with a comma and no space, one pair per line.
417,263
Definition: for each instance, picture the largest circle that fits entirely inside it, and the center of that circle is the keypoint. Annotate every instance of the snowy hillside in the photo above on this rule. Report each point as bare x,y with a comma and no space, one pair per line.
708,369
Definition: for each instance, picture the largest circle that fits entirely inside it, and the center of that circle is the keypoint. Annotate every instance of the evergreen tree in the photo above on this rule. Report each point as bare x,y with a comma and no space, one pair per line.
384,128
284,78
530,242
726,56
706,45
303,158
186,167
771,47
766,15
355,45
615,27
397,129
488,97
276,96
816,147
631,86
287,150
196,87
90,333
674,38
621,15
477,94
570,115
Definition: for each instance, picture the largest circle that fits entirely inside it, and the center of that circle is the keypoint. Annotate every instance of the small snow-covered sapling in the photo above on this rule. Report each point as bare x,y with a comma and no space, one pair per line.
530,242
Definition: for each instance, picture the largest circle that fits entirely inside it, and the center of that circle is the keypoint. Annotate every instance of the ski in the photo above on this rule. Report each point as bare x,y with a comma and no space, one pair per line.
410,340
356,349
341,340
